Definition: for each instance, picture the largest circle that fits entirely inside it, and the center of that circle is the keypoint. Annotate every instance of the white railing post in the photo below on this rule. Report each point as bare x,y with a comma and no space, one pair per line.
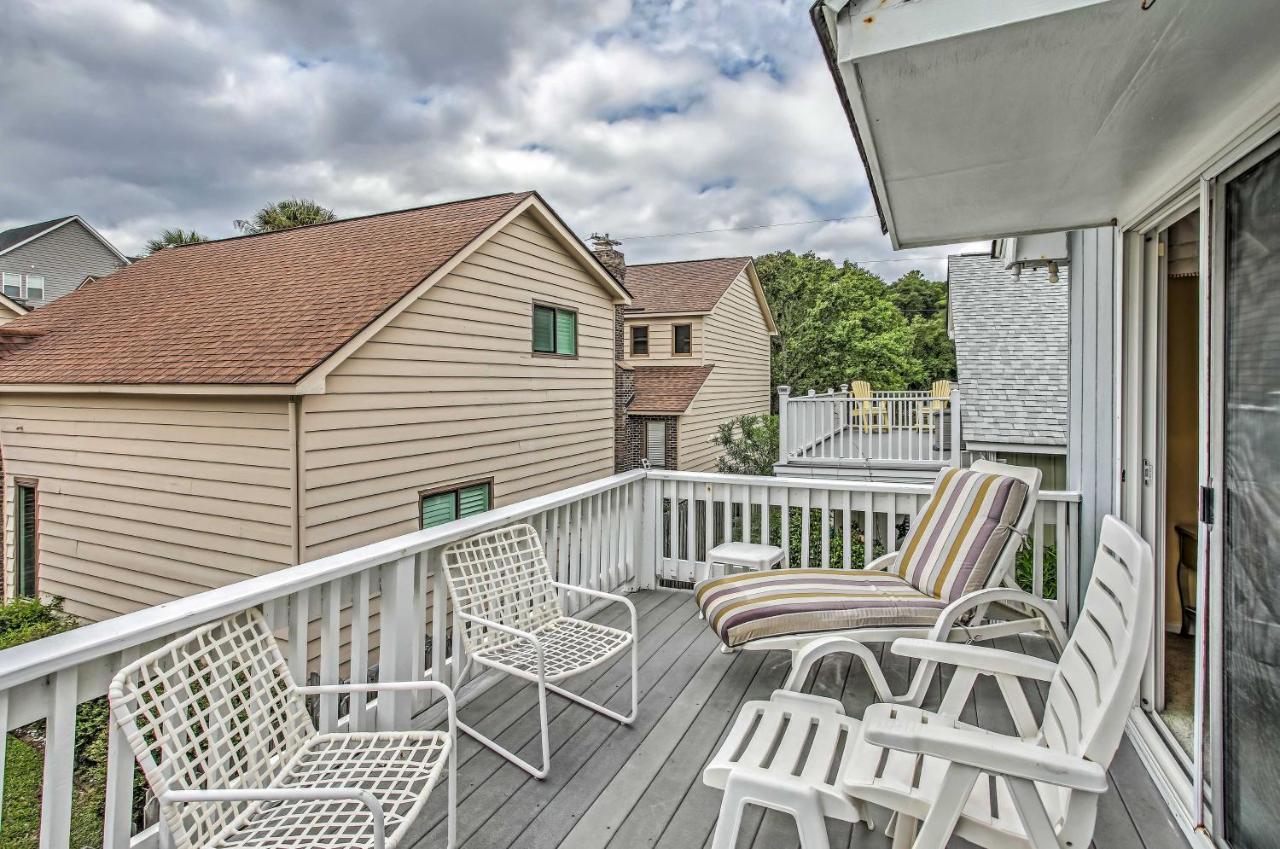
395,643
650,519
956,442
784,394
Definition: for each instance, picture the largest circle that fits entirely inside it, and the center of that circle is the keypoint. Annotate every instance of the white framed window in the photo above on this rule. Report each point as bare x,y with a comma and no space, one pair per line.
655,444
12,284
35,287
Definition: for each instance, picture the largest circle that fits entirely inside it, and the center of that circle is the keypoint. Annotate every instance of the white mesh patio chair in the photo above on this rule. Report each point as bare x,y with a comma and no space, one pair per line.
955,567
222,734
939,777
513,620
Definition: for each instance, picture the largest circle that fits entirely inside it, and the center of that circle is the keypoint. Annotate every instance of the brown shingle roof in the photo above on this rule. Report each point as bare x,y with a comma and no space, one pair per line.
250,310
690,286
667,389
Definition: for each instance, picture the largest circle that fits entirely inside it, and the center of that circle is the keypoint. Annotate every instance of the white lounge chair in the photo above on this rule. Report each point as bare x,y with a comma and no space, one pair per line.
940,777
513,621
222,734
975,518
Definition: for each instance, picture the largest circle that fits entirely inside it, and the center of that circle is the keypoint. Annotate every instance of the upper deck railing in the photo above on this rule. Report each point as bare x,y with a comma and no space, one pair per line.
887,429
382,610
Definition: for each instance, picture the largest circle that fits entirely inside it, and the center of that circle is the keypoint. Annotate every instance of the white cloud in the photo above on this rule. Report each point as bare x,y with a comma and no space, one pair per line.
638,118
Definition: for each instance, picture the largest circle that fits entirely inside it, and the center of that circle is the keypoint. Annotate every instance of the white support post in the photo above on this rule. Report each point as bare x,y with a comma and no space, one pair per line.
784,393
650,519
395,655
956,442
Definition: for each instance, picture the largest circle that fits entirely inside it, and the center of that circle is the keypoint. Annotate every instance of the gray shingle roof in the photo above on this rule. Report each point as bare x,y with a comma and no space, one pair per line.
18,235
1011,336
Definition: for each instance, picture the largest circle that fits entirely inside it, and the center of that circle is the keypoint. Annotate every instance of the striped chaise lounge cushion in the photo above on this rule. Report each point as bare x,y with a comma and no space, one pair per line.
955,542
780,602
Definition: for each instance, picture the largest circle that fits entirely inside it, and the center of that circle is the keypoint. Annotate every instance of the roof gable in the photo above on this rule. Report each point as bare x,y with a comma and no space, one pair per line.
16,237
1012,348
254,310
689,286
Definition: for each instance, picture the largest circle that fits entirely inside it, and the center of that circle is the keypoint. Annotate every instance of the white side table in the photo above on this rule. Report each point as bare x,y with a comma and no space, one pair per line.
733,557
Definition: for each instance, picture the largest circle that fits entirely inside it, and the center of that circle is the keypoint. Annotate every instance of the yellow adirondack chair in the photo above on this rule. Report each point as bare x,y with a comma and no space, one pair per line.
937,404
868,412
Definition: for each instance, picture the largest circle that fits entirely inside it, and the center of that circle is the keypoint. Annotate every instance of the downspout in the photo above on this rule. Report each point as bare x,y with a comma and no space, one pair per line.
299,479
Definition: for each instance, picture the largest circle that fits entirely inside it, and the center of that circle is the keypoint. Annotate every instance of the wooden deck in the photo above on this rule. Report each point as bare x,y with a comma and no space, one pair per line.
620,788
900,444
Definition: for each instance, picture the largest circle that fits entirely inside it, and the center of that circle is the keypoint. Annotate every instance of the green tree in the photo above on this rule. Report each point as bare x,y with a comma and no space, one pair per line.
174,237
750,445
924,304
285,215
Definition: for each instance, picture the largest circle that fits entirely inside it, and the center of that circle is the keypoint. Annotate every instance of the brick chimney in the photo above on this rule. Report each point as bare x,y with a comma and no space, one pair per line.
606,250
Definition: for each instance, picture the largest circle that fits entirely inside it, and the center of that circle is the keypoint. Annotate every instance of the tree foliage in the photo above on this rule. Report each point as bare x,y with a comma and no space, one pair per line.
284,215
840,323
174,237
750,445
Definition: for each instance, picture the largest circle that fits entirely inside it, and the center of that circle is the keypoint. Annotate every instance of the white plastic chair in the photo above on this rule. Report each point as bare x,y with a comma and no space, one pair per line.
940,777
222,734
513,620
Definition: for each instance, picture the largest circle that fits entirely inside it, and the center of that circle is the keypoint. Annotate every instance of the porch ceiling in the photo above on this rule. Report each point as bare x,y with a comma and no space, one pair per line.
1001,117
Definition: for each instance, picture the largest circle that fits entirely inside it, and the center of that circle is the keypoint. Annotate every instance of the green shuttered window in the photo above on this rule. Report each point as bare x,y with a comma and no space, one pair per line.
555,331
468,500
24,510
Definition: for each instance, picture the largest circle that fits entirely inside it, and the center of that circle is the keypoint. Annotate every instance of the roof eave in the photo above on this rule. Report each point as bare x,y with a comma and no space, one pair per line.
225,389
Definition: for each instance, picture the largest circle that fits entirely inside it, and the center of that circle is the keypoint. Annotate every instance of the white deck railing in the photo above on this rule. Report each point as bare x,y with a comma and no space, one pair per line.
385,605
341,616
896,429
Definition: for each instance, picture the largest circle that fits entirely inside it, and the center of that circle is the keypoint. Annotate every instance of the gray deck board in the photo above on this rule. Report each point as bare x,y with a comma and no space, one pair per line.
614,787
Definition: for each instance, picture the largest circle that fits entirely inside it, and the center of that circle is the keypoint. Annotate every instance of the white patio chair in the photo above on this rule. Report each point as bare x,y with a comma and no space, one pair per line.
816,612
222,734
512,620
1038,789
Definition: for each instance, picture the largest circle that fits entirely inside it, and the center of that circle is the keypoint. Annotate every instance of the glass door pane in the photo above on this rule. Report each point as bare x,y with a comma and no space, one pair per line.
1250,513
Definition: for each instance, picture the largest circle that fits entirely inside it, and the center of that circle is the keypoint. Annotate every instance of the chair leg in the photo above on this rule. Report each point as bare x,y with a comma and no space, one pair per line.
752,787
601,709
502,751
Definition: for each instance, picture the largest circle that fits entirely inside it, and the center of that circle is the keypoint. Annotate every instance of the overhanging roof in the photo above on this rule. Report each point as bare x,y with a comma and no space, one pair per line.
980,118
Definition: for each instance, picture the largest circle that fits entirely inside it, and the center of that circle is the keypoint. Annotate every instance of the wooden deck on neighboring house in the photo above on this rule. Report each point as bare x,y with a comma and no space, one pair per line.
641,786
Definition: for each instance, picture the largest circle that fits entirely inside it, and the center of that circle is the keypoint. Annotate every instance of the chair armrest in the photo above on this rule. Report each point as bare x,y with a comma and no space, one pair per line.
992,753
612,597
882,563
374,686
981,658
993,595
283,794
506,629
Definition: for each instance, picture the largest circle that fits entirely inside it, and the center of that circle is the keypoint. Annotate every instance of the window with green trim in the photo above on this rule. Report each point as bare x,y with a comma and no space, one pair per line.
458,503
555,331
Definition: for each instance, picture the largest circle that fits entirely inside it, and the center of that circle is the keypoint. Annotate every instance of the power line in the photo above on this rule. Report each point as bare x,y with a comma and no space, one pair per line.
749,227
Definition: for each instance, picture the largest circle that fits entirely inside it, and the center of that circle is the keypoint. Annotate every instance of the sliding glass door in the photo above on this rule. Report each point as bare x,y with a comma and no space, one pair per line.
1247,741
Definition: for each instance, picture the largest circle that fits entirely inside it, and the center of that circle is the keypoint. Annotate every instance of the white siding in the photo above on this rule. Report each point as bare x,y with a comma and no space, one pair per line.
1091,437
450,391
661,344
142,500
737,344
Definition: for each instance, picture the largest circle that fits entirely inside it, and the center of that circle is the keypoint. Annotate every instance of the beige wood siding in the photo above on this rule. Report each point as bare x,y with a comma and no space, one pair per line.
737,345
450,392
661,341
144,499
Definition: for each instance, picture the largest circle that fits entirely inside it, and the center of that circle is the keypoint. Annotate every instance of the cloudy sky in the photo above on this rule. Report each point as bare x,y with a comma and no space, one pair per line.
642,118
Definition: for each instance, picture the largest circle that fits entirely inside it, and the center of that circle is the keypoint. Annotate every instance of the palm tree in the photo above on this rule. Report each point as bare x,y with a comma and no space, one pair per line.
282,215
173,238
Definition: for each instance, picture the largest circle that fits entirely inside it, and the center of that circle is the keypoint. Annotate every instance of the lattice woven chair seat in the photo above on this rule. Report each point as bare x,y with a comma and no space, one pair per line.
569,646
219,710
398,768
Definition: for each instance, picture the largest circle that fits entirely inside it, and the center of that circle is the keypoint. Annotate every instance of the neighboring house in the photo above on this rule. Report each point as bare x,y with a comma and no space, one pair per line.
697,344
40,263
289,395
1010,330
10,309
